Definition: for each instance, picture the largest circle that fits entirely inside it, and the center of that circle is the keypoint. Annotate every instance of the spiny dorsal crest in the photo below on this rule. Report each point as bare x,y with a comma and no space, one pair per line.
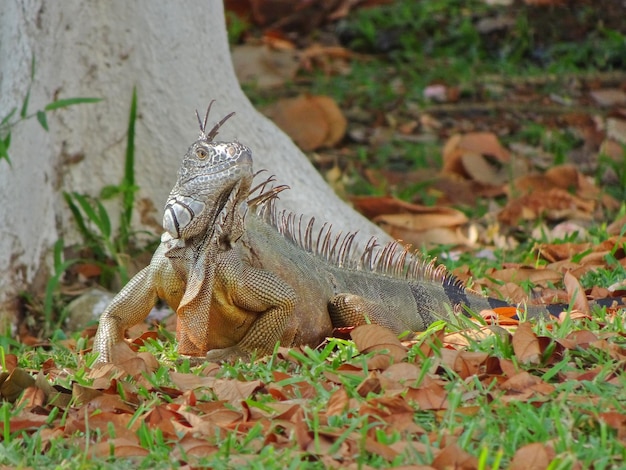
392,259
215,130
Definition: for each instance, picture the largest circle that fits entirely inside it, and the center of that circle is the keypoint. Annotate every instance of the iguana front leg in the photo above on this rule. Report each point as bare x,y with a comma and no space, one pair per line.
134,302
251,306
129,307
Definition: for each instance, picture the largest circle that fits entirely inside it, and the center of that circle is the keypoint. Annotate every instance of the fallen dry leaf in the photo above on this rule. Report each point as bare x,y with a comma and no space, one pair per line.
609,97
453,456
369,338
526,344
553,204
14,383
576,293
119,448
312,121
465,155
535,456
430,395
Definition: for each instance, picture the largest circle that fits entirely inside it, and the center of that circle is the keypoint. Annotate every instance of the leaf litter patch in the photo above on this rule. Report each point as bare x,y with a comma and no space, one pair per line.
380,392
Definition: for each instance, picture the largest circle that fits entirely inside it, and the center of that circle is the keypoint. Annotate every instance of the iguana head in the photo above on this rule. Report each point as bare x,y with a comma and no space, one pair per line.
213,181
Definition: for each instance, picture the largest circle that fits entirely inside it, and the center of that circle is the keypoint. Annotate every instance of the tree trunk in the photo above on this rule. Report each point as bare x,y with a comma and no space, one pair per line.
176,54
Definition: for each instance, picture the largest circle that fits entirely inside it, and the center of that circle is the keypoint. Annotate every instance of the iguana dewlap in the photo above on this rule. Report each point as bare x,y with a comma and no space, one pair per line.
242,277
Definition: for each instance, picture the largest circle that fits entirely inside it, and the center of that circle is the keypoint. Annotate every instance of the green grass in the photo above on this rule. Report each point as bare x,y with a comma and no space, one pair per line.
411,45
484,423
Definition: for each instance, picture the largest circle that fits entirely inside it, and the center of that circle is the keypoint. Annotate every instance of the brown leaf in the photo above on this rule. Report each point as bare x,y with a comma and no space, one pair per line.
163,417
119,448
377,448
190,446
27,421
561,251
33,397
370,338
371,384
338,402
453,456
463,363
433,218
428,396
576,293
190,381
234,391
553,204
429,237
480,169
519,274
402,373
609,96
110,403
535,456
563,176
302,434
10,362
615,420
83,395
616,129
264,66
14,383
524,383
373,206
526,345
481,143
311,121
102,421
579,339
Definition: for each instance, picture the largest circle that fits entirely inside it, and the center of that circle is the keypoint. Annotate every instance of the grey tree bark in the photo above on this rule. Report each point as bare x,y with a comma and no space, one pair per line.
176,54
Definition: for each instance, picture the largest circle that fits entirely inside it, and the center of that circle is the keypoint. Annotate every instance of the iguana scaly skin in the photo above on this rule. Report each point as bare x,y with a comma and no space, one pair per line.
242,277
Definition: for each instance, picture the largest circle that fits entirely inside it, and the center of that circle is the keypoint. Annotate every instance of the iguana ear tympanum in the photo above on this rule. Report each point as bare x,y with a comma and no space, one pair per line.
242,277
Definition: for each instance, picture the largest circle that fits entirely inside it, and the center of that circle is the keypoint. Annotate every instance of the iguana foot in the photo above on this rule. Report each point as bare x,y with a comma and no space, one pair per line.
193,360
230,354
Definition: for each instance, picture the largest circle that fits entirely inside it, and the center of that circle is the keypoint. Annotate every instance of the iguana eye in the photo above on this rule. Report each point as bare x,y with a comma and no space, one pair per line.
201,153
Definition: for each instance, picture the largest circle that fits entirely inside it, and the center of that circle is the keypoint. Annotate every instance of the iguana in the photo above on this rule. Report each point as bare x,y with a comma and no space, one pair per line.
242,276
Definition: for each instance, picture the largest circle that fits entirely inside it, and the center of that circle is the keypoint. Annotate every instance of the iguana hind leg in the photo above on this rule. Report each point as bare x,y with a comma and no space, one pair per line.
354,310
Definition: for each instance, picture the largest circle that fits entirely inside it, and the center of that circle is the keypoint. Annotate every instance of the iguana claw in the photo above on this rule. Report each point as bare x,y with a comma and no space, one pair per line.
230,354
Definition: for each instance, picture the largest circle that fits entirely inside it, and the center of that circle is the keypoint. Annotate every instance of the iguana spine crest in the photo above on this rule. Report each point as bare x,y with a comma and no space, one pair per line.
391,259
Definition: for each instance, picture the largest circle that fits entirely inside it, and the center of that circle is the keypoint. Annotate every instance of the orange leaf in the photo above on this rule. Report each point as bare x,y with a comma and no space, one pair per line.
453,456
429,396
370,338
532,456
119,447
234,391
576,293
311,121
526,345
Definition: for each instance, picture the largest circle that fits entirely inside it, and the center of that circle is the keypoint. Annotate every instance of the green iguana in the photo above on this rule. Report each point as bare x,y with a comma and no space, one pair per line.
242,276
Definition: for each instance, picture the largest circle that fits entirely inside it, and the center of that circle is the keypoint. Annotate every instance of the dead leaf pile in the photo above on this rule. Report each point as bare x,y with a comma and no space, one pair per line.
199,408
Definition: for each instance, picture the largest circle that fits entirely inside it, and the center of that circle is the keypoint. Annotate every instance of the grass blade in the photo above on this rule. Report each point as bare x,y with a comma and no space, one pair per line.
4,148
104,221
60,267
6,118
64,103
24,109
128,183
41,117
